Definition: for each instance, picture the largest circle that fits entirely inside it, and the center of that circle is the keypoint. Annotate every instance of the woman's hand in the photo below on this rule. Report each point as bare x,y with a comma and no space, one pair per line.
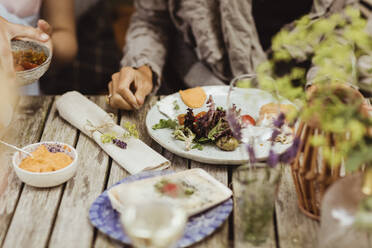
8,95
9,31
46,28
129,87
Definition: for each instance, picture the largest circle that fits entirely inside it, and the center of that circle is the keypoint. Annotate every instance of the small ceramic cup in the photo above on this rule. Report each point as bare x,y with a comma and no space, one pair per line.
29,76
46,179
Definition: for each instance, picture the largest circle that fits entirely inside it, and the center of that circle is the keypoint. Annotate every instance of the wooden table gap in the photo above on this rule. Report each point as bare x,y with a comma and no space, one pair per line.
55,214
231,217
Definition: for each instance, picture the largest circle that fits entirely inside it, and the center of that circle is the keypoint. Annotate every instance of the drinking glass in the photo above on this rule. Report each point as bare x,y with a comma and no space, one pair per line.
153,223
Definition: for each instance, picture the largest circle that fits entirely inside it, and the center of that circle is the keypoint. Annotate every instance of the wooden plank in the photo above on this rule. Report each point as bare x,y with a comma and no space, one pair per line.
177,163
38,207
117,172
220,238
139,117
72,226
26,128
103,241
294,228
239,222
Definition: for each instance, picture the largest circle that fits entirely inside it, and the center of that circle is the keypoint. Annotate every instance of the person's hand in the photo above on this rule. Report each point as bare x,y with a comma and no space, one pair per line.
129,87
9,31
44,27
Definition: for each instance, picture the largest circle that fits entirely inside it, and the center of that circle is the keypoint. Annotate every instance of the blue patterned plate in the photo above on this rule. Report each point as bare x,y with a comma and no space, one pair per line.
107,220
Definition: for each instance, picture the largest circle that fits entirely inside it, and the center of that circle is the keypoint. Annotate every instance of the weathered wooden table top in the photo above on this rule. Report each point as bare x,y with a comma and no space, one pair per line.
58,217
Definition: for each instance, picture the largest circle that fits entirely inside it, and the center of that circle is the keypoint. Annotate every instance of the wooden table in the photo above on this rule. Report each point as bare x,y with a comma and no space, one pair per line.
58,217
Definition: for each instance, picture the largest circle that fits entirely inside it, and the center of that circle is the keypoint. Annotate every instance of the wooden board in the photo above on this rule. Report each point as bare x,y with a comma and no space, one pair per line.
58,217
38,207
294,228
26,128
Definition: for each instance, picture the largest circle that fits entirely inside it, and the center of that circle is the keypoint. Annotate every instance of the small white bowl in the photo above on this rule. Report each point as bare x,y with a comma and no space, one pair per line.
29,76
46,179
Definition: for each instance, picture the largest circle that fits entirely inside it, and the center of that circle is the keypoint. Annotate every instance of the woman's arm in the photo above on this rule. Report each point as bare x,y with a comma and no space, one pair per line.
61,17
144,54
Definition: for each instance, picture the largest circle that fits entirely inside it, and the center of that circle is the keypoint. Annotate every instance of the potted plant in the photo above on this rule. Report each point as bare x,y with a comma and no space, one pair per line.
322,65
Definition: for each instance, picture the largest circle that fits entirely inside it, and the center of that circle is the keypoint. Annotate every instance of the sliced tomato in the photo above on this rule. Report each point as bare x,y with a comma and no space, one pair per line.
171,189
200,115
181,119
248,120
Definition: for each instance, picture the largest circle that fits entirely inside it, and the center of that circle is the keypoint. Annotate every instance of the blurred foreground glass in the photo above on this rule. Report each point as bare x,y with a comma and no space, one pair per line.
255,202
153,224
346,213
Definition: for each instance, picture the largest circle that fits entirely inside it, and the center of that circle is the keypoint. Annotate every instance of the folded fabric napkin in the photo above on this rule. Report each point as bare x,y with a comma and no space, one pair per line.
94,121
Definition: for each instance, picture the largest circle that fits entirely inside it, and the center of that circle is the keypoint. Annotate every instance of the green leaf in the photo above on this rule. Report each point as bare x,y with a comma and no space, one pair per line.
220,127
203,140
358,158
175,105
244,83
108,137
132,130
172,124
197,146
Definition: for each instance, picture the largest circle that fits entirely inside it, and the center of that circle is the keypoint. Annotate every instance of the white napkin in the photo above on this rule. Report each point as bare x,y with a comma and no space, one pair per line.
80,111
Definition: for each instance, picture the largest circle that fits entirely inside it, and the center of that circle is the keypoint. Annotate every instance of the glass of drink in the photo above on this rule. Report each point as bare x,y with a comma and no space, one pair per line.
153,223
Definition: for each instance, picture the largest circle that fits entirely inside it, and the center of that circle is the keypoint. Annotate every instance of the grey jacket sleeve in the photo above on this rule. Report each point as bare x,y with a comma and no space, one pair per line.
147,36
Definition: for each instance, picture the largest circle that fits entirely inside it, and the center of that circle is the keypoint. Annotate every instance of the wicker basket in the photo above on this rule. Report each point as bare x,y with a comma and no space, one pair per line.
311,174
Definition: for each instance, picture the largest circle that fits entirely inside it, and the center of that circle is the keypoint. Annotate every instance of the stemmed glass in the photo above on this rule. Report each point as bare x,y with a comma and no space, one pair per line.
153,223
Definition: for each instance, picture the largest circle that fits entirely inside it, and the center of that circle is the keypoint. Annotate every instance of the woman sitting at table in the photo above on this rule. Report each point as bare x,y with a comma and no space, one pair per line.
59,24
8,86
212,42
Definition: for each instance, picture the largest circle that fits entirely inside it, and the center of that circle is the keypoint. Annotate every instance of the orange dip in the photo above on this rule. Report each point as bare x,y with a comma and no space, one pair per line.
45,161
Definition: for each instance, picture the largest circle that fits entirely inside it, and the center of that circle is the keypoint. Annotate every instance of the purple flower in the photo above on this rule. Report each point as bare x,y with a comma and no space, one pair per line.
54,149
120,143
234,122
275,134
273,159
291,152
251,153
280,120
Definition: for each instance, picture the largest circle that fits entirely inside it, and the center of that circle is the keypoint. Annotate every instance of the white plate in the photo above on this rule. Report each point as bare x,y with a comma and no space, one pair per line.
248,100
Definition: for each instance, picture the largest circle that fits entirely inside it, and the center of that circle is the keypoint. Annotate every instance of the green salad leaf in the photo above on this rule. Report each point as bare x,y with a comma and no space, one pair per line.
175,105
197,146
172,124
